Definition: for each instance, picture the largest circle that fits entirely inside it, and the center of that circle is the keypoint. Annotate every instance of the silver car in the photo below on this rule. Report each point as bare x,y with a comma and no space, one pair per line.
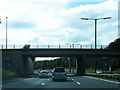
99,71
43,73
59,73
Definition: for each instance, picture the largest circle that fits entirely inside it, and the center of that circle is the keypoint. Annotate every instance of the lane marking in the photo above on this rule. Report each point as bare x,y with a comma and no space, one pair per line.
78,83
103,79
14,82
17,82
48,79
72,79
43,84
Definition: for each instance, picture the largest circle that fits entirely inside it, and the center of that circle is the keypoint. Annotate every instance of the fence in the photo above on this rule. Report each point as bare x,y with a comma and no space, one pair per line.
54,46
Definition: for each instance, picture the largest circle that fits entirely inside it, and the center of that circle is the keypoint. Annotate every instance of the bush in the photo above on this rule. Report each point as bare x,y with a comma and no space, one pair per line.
8,74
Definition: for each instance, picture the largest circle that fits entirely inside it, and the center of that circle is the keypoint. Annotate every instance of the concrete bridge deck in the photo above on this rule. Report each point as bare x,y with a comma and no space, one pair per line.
53,52
22,58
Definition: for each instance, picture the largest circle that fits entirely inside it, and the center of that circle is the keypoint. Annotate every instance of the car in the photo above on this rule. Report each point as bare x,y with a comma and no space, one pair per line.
99,71
43,73
59,73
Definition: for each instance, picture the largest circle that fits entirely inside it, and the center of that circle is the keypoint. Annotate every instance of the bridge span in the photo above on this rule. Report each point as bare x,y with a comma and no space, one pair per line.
22,58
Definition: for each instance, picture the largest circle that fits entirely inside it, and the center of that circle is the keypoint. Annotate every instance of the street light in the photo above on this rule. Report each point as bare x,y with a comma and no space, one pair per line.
6,32
95,26
80,45
70,45
0,19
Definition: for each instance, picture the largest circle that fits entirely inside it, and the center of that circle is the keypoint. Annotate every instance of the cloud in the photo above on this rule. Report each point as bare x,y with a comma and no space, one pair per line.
58,22
21,25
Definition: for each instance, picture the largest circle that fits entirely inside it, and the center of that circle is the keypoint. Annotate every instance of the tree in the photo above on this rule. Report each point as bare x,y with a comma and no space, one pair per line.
26,46
115,63
114,45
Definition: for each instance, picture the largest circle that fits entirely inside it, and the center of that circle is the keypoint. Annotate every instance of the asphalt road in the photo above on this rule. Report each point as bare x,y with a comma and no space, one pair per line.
72,82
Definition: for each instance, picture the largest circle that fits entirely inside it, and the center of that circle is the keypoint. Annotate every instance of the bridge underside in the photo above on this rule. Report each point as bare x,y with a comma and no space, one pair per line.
22,59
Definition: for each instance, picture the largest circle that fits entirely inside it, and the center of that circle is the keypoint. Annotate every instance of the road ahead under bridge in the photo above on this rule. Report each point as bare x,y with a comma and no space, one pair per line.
22,58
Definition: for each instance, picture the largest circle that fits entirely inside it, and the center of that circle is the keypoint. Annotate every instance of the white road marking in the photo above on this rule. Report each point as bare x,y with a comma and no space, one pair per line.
78,83
17,82
103,79
73,79
43,84
12,83
68,77
48,79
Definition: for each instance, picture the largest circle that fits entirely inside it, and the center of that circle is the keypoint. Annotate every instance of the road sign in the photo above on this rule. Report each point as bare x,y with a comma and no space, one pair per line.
104,62
8,64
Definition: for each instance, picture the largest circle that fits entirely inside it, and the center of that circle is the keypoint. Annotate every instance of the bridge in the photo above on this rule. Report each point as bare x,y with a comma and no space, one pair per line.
21,59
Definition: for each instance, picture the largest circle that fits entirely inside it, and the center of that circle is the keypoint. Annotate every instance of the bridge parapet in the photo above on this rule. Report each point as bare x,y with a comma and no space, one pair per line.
62,46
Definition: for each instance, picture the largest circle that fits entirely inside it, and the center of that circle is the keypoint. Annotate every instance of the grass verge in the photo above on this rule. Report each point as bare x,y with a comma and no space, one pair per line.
6,74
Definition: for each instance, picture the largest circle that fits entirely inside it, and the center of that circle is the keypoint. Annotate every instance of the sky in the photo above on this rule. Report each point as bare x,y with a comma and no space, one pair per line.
57,22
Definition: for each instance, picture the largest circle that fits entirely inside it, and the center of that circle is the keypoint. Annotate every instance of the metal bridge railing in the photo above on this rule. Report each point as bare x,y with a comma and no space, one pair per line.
54,46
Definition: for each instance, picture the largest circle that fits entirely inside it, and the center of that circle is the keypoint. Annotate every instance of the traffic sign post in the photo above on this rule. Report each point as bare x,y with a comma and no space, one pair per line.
8,64
104,63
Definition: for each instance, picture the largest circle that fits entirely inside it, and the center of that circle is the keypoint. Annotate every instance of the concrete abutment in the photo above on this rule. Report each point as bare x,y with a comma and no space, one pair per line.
14,61
80,65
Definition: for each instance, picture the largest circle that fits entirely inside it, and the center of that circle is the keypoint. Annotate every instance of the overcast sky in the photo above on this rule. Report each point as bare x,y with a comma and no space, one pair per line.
39,22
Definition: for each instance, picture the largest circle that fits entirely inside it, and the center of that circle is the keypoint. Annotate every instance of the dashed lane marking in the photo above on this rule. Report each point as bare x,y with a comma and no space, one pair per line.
72,79
43,84
78,83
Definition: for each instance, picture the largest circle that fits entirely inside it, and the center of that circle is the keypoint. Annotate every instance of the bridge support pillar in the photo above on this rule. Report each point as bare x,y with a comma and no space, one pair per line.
69,61
80,65
27,65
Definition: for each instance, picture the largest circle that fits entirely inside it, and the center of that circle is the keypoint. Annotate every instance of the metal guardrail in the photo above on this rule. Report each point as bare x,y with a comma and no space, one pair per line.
54,46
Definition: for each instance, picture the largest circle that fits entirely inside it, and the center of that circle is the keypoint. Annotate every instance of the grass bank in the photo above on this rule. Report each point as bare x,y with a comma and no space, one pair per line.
6,74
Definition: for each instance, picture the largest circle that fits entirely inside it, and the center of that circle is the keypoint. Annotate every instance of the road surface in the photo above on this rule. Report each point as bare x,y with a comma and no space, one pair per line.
72,82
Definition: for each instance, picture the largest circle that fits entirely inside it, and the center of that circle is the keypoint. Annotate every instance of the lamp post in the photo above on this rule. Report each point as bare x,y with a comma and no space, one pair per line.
68,44
71,45
6,32
95,31
0,23
69,58
95,26
0,19
80,45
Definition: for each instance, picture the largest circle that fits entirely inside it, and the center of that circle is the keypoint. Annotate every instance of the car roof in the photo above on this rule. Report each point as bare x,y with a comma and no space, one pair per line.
43,71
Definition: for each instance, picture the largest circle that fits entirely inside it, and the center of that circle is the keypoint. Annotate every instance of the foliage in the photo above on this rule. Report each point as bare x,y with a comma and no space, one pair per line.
26,46
6,74
115,63
114,45
50,64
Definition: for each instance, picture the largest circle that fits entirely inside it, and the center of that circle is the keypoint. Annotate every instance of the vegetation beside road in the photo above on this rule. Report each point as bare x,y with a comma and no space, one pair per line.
114,77
6,74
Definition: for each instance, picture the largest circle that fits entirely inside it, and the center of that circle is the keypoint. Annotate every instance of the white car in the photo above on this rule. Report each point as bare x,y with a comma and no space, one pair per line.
43,73
99,71
59,73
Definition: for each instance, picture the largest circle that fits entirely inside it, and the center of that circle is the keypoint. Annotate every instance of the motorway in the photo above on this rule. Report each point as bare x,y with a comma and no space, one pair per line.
72,82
